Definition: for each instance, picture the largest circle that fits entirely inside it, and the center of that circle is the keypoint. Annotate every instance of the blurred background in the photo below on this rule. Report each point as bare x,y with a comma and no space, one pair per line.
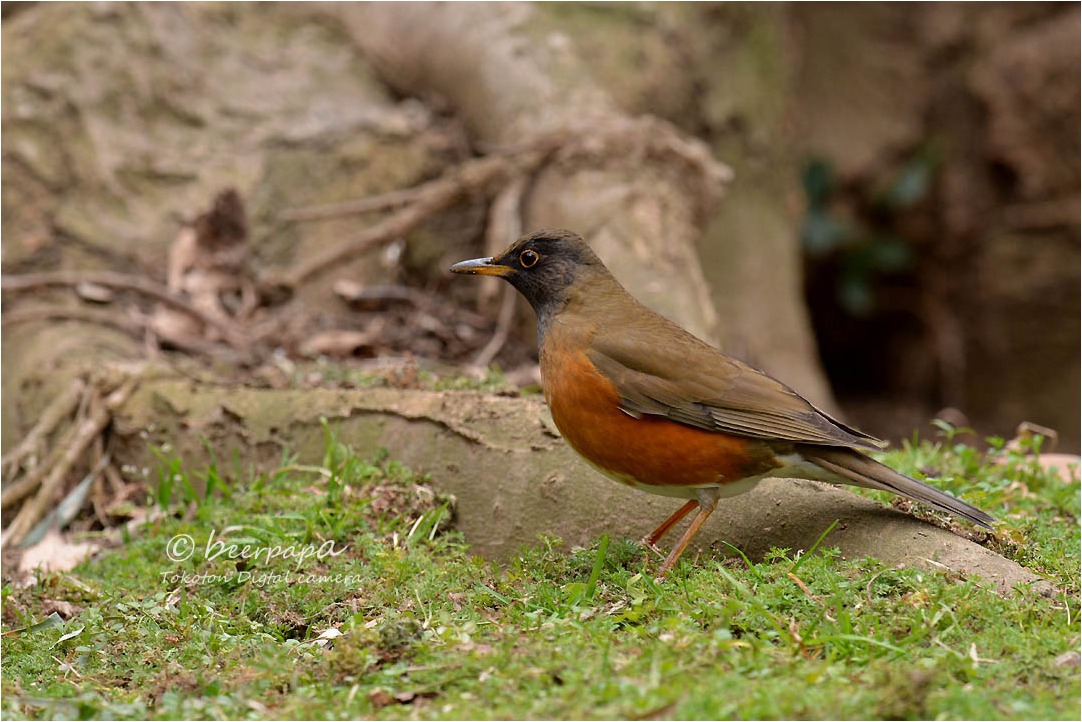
898,235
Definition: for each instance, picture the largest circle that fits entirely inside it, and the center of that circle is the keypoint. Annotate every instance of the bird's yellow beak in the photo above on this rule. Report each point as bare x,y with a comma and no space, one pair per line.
482,267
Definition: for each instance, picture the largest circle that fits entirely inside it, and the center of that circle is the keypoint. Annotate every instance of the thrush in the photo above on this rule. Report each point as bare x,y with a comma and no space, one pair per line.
650,405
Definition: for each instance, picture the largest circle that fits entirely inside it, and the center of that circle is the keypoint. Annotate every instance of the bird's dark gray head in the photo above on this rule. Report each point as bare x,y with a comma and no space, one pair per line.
542,266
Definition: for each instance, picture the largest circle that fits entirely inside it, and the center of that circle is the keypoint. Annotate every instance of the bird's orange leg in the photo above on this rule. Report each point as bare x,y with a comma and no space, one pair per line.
655,536
707,503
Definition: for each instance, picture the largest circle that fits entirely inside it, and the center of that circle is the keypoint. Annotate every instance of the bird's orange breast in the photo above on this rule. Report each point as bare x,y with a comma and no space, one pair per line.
648,450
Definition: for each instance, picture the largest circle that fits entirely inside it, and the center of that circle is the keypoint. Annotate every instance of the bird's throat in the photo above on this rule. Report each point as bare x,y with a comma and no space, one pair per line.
546,311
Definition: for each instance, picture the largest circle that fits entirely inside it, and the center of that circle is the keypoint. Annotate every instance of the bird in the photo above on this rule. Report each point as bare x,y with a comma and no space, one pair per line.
654,407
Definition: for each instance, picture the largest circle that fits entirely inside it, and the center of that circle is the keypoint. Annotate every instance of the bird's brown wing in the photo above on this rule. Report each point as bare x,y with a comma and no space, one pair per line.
686,380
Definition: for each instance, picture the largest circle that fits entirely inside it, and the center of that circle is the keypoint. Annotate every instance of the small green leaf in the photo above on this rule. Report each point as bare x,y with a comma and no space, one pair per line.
53,620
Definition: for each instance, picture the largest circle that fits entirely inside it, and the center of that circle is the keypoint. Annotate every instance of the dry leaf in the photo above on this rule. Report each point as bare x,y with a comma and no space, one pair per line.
54,553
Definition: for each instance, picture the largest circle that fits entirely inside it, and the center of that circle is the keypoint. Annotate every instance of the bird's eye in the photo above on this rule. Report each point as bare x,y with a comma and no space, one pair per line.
529,259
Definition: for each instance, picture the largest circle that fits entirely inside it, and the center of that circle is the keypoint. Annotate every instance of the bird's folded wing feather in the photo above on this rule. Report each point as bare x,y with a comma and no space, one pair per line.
695,384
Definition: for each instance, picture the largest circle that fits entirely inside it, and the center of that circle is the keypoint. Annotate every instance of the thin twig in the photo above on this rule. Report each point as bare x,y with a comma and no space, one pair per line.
1042,214
114,479
61,407
102,461
804,587
126,282
31,480
505,225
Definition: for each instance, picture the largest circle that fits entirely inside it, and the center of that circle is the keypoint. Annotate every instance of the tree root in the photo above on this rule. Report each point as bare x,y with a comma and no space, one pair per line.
644,139
232,334
98,316
424,201
514,479
371,204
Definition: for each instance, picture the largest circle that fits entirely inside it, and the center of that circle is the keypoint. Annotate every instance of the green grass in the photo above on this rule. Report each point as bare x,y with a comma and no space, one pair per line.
426,630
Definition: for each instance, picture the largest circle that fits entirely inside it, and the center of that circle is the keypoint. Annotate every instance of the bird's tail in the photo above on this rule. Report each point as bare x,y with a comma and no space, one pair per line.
865,471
